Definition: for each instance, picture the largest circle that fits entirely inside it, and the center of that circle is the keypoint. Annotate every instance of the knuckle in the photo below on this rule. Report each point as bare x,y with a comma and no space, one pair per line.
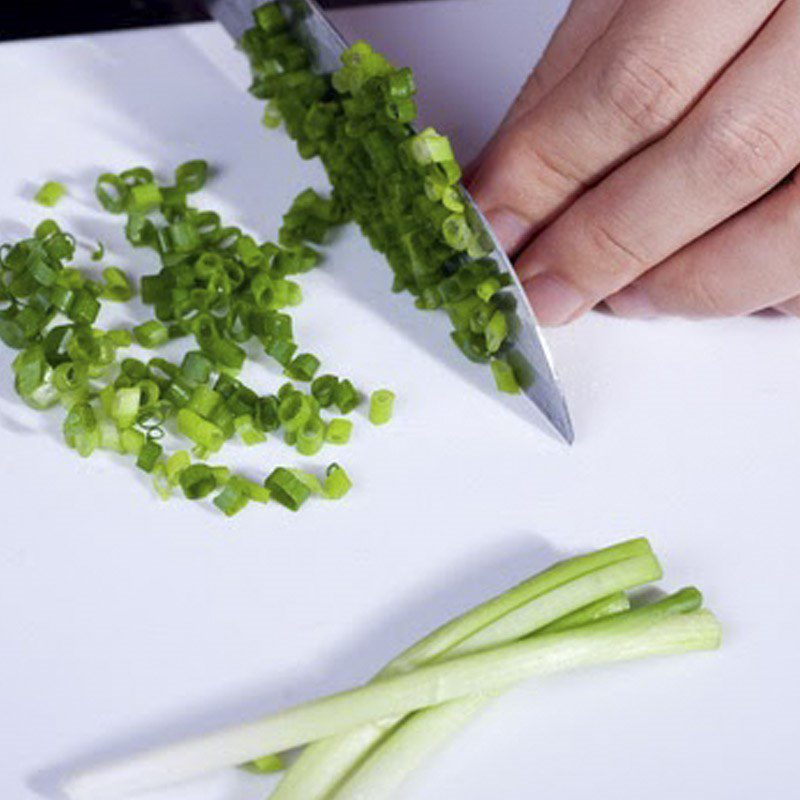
541,77
641,88
742,147
704,295
617,254
535,87
538,161
558,170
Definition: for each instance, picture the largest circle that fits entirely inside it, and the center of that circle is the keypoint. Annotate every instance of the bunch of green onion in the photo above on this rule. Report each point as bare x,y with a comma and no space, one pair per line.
364,742
215,284
400,187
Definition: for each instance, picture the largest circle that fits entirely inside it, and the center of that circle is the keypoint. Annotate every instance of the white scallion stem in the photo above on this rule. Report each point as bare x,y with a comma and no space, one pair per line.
533,604
620,638
404,748
417,737
380,774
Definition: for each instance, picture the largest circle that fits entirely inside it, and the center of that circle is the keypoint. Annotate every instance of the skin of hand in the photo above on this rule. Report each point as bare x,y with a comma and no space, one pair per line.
648,161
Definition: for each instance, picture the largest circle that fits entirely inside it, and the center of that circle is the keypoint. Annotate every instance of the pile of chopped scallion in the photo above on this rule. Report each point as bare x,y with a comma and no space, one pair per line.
401,187
217,286
363,743
223,289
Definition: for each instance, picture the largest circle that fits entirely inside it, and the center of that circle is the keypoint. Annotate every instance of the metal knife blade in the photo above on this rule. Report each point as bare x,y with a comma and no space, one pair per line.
530,353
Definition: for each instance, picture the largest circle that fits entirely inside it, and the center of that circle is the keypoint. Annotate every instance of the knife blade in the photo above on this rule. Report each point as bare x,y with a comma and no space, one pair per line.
529,353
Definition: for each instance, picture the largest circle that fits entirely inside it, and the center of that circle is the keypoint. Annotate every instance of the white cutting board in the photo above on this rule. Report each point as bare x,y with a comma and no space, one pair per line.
125,621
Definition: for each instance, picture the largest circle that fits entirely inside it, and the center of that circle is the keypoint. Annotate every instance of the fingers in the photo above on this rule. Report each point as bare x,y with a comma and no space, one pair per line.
655,60
790,307
737,143
584,22
747,264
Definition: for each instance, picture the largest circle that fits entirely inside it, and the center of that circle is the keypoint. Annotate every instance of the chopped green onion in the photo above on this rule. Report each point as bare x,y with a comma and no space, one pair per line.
323,389
116,288
288,490
247,431
504,377
203,433
144,197
151,333
197,481
339,431
269,18
496,331
337,483
50,193
125,406
311,481
400,187
287,390
270,118
310,437
281,350
160,483
428,147
302,367
204,401
176,464
81,431
346,396
221,475
149,455
132,441
216,283
112,192
381,406
266,413
83,307
136,175
110,436
196,367
488,288
192,175
294,411
233,498
140,232
256,492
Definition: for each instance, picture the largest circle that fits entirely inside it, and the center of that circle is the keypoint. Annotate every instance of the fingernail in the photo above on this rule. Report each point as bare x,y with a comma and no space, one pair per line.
633,303
510,229
554,301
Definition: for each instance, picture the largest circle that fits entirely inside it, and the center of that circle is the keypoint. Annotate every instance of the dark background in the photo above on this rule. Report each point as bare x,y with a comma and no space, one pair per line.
24,18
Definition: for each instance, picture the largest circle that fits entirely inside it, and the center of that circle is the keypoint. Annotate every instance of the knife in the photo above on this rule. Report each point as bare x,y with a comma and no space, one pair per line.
529,354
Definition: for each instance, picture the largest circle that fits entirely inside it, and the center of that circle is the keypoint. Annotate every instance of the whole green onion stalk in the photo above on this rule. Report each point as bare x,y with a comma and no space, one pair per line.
532,605
418,681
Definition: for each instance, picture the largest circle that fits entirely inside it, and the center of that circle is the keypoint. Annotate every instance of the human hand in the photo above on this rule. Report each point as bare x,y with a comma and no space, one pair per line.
645,161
